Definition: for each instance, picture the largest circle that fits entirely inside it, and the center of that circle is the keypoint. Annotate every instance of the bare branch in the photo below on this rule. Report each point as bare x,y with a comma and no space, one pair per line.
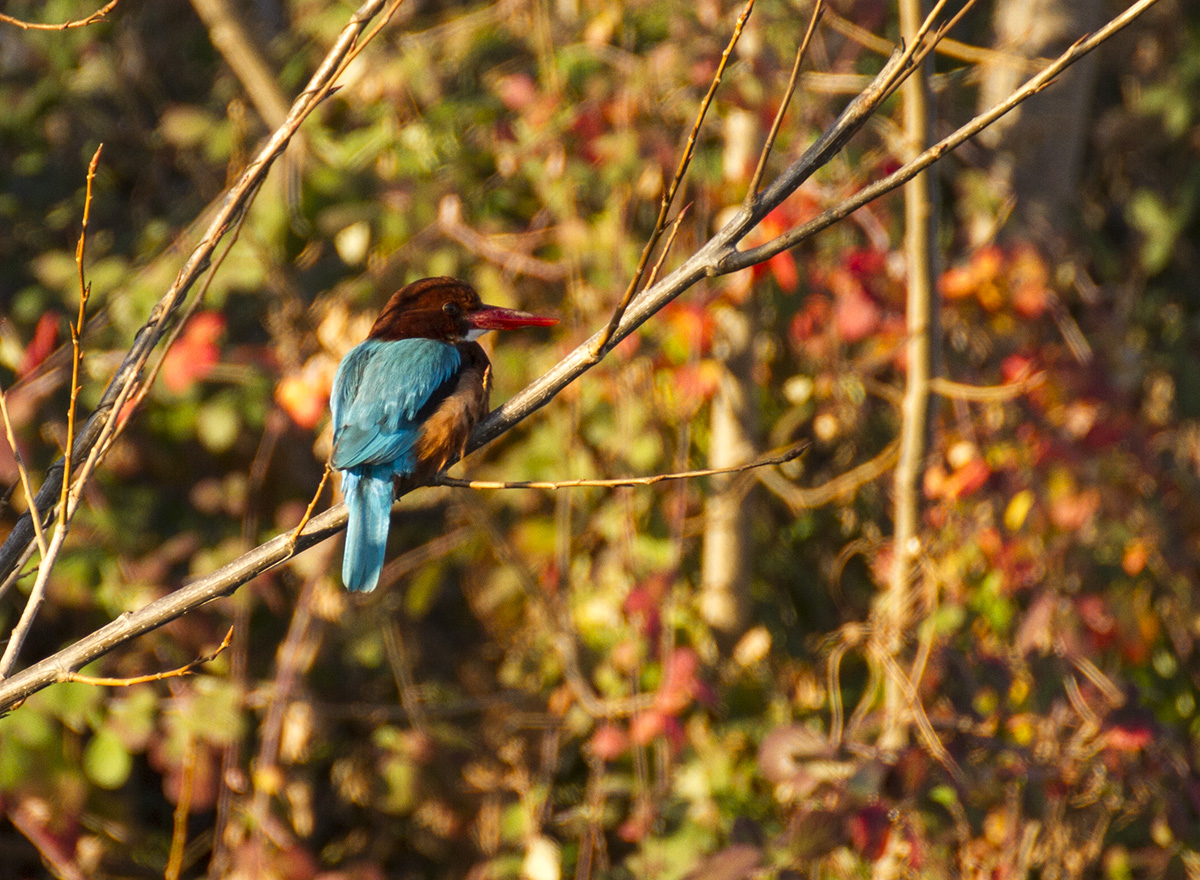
844,485
909,170
181,671
669,194
183,806
308,511
782,458
756,179
985,393
94,18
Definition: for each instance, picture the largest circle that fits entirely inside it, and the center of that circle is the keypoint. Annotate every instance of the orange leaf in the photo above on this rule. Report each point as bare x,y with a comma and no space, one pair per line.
195,353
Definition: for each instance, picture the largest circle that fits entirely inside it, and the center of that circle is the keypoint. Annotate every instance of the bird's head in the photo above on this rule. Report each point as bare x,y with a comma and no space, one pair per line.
448,310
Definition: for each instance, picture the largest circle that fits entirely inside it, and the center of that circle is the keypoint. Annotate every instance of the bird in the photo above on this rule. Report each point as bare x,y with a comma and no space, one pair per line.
404,402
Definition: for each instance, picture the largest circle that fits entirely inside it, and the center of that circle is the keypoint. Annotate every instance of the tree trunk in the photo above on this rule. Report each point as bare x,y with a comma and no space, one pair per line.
1039,146
725,568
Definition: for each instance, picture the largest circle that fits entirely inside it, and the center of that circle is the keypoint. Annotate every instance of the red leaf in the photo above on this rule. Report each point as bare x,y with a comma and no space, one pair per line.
811,320
647,726
195,353
869,829
783,268
855,314
45,338
680,683
609,742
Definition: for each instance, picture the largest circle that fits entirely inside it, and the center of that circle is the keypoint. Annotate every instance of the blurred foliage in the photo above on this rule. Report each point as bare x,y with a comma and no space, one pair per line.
533,690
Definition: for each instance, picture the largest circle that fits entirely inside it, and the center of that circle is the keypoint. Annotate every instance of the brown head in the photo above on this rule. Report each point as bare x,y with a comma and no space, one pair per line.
448,310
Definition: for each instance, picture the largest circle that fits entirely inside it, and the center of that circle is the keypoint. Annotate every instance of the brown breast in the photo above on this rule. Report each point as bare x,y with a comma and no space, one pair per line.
444,434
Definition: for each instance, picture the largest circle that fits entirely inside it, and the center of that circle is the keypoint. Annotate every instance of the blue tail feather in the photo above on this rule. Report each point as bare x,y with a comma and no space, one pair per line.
368,495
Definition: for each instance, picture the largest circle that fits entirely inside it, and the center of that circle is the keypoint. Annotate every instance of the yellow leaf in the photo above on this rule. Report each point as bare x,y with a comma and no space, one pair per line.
1018,509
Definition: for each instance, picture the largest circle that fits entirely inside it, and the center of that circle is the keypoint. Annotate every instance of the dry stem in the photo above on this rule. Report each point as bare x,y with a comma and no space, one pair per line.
668,197
782,458
95,17
187,669
23,473
756,179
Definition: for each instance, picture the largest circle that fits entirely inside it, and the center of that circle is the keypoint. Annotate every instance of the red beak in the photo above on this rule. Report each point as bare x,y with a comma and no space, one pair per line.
494,318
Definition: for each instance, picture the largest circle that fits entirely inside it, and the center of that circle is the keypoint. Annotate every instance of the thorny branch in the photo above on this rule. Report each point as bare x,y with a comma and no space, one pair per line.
718,256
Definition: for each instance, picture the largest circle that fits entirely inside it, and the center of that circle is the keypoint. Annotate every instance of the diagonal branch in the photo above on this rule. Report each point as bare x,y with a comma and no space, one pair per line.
909,170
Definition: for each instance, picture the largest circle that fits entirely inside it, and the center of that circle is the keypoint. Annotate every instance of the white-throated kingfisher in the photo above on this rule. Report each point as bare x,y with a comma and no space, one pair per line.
404,402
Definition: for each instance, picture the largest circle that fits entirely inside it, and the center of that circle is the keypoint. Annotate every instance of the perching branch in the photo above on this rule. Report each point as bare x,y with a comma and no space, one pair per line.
716,257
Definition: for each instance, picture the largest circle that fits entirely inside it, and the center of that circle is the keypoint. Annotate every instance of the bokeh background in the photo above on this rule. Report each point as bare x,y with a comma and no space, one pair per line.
579,683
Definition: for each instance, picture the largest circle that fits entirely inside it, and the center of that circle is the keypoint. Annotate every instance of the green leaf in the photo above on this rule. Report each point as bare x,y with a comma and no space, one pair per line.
106,760
217,425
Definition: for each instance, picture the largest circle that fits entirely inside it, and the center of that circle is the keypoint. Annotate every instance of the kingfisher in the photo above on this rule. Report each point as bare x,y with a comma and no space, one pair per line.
404,402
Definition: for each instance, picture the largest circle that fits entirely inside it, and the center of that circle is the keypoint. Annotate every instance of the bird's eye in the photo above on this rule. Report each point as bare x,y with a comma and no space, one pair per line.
452,309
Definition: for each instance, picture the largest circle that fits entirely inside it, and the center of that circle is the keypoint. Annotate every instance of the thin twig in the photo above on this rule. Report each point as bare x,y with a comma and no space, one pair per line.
782,458
23,473
662,257
601,342
85,291
799,498
50,550
308,512
946,47
985,393
187,669
756,179
182,808
95,17
933,742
